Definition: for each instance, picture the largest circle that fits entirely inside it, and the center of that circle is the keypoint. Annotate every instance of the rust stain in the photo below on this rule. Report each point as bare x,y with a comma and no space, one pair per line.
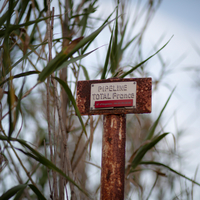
109,140
148,106
108,175
113,157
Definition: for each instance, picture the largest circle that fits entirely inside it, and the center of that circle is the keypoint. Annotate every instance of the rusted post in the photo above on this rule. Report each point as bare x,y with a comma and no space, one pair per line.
114,98
113,157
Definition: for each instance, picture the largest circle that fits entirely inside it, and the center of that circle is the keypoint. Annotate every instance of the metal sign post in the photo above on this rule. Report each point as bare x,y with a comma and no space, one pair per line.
113,157
114,98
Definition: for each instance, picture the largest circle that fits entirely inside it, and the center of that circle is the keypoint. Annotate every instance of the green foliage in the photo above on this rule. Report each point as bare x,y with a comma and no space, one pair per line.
70,95
155,124
140,64
17,189
145,148
54,64
11,192
170,169
105,68
53,137
39,157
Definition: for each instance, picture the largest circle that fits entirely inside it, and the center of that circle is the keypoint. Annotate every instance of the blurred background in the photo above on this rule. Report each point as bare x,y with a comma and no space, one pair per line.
144,27
181,60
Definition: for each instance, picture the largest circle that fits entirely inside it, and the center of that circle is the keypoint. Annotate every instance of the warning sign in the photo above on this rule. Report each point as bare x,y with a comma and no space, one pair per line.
113,95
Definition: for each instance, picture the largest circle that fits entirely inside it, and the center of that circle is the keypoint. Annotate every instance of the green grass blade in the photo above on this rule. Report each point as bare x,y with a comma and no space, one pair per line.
27,54
72,60
122,36
37,192
52,66
6,44
84,21
104,24
11,192
85,72
71,98
40,158
169,168
5,16
3,19
114,49
140,64
18,196
103,75
62,57
11,7
11,28
20,188
130,42
18,107
24,74
119,46
28,16
145,148
87,39
153,128
22,9
35,26
10,101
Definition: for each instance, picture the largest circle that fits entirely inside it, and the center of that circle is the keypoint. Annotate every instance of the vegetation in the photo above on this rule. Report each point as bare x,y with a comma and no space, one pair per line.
46,146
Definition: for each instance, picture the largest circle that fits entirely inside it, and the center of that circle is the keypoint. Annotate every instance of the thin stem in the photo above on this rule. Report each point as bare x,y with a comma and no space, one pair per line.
84,148
3,6
20,161
48,93
56,142
17,174
25,95
153,187
64,141
77,144
48,170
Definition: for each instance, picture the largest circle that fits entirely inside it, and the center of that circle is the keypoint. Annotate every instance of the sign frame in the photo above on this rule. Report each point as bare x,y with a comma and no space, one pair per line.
143,97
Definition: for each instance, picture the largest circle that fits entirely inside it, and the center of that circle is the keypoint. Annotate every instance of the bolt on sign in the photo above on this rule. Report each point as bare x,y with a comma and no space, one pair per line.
114,96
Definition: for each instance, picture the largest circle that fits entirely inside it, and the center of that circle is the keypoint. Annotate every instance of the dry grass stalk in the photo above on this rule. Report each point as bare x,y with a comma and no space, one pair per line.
49,35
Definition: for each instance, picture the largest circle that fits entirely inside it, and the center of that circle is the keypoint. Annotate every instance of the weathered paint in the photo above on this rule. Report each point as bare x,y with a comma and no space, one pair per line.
113,147
113,157
143,97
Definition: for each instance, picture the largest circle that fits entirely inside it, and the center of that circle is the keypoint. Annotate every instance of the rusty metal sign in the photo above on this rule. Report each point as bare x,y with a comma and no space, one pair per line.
114,96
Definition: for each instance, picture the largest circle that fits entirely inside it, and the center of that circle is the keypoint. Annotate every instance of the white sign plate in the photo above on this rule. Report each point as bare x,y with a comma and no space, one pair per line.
113,95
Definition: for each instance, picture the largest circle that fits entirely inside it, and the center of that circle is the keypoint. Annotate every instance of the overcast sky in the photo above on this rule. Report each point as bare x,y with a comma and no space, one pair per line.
181,19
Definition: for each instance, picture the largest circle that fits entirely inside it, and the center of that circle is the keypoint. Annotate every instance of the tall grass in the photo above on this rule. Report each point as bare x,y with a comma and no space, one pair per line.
45,144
